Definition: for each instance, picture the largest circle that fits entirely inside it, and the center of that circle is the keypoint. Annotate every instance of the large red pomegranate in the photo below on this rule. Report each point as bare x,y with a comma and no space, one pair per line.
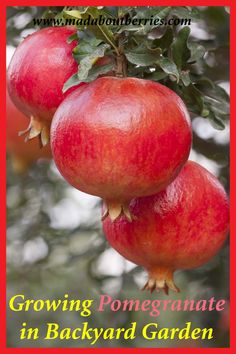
119,138
182,227
37,72
22,154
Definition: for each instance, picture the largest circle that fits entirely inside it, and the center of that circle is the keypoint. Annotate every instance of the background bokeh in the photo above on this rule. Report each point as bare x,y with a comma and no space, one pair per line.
55,244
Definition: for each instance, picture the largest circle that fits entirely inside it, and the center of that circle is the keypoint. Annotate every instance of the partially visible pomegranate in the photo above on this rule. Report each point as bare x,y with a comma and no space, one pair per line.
40,66
22,154
119,139
182,227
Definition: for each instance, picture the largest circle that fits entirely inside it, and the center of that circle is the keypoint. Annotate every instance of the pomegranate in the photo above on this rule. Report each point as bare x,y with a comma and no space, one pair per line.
22,154
37,72
181,227
120,138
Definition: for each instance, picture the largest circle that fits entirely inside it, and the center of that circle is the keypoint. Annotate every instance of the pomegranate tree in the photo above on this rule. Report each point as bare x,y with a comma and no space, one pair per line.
182,227
22,154
120,138
37,72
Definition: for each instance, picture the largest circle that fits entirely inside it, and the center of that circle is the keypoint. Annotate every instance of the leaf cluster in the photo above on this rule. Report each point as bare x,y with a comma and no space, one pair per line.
165,53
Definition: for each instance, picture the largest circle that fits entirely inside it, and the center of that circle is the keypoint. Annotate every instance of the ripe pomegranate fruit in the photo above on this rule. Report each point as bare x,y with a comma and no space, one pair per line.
22,154
37,72
181,227
119,138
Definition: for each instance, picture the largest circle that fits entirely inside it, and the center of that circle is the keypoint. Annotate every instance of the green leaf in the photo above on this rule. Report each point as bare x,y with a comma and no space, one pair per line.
73,14
216,122
87,45
105,32
72,81
124,10
93,74
205,113
142,59
221,93
169,67
87,62
154,14
197,51
88,50
194,98
186,12
100,31
205,83
156,76
143,56
179,48
129,29
219,107
72,38
184,76
218,93
160,13
165,41
97,71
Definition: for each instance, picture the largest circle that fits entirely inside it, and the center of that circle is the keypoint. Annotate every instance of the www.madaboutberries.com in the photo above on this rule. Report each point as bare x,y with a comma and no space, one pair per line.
101,20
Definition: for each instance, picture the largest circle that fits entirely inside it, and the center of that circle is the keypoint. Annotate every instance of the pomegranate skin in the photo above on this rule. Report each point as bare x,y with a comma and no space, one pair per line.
119,138
22,155
40,66
182,227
